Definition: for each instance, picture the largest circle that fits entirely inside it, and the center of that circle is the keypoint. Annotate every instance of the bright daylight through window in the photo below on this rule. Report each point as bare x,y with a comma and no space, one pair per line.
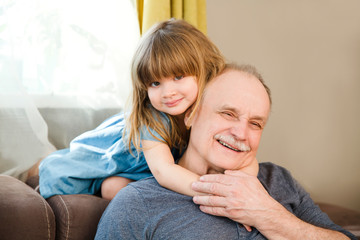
64,68
60,50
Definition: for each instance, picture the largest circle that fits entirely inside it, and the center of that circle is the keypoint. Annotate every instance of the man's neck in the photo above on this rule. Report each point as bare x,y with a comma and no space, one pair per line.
195,165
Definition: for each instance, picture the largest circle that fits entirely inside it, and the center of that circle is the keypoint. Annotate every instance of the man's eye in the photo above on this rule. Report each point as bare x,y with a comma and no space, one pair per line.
227,114
154,84
256,125
179,77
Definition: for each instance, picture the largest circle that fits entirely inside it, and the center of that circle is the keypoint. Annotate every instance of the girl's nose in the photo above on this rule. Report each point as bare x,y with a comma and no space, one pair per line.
169,90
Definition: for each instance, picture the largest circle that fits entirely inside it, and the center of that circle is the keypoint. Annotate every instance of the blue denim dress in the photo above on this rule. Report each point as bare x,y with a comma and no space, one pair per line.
92,157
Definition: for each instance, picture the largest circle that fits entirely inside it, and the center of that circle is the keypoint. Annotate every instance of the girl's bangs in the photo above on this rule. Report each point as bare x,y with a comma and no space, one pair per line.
168,60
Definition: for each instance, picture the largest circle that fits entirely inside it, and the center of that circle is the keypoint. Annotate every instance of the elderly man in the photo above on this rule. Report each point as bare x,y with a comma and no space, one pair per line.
225,135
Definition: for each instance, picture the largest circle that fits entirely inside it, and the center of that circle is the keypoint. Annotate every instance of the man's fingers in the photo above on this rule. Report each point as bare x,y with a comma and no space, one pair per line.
212,188
218,178
216,211
248,228
211,201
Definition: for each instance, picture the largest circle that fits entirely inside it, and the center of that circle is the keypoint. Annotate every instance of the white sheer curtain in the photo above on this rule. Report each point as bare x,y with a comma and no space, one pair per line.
64,67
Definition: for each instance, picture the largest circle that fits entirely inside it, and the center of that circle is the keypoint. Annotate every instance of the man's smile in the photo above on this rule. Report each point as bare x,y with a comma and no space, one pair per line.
230,143
228,146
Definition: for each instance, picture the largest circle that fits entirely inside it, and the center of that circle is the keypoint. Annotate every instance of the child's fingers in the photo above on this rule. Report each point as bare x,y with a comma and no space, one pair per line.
248,228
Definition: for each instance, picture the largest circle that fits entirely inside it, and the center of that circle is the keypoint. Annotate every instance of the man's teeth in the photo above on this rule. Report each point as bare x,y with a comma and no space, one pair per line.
228,146
232,143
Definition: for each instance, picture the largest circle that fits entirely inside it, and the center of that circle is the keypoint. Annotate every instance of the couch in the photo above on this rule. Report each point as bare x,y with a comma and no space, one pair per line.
24,214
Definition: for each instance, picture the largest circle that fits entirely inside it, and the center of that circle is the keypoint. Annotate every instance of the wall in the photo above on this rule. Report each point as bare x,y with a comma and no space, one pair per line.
309,54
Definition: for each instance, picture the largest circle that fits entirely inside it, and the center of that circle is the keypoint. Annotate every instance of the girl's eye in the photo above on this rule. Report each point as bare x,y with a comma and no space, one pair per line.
154,84
179,77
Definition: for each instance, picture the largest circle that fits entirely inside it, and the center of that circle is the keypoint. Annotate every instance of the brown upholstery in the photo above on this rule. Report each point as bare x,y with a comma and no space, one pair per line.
24,214
347,218
77,215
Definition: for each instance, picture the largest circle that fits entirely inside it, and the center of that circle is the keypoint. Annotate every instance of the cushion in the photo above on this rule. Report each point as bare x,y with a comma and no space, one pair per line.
77,216
24,213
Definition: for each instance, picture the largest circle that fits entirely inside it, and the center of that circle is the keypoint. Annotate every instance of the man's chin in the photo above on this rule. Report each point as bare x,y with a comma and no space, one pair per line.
247,164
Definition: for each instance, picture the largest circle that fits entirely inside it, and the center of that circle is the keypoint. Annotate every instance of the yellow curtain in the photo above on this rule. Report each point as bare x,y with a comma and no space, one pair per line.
153,11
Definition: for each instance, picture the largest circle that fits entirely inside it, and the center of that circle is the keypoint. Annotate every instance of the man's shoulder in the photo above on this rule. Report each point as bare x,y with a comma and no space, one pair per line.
269,168
145,196
149,189
145,184
275,177
154,210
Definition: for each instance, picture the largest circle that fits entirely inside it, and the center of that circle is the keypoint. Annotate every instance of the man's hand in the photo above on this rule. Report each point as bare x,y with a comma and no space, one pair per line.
235,195
242,198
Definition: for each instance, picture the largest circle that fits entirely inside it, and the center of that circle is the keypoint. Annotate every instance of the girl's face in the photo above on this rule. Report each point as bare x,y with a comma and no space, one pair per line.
173,95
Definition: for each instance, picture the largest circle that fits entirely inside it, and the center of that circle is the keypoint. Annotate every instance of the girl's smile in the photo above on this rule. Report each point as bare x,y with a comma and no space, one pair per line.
173,95
173,103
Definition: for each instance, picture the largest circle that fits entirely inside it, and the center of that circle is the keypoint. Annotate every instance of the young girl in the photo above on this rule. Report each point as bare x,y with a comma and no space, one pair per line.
170,68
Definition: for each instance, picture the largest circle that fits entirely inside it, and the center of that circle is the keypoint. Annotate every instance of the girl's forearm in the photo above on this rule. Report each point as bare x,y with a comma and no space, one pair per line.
167,173
176,178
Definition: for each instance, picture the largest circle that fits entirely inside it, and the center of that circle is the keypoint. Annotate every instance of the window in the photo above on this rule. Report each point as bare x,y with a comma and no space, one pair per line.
64,68
72,50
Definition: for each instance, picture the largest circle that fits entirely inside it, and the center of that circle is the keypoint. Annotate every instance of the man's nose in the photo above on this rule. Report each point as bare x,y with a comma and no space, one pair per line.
240,129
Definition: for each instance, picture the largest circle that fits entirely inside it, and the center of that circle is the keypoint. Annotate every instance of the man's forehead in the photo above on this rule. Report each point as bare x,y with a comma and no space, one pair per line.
231,81
233,87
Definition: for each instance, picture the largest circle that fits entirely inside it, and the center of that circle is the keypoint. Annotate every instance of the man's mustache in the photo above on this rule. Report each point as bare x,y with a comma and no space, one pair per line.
232,143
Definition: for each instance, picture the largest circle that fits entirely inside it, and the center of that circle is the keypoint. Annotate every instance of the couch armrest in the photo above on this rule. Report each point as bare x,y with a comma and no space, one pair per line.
346,218
77,216
24,214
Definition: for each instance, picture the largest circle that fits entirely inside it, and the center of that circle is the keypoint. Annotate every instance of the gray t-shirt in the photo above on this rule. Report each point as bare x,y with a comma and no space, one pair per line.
145,210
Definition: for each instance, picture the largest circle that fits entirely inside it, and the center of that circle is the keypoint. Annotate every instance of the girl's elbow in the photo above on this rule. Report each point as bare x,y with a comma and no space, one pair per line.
160,178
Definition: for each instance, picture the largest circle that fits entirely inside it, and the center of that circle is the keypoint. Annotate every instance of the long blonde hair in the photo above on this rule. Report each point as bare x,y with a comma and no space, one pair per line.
170,48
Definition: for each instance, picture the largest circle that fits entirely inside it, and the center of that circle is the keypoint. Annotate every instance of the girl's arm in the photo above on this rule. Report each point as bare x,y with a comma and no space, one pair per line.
168,174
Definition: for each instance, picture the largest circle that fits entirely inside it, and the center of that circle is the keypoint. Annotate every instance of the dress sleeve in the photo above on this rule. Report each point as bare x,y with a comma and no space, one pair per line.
149,133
